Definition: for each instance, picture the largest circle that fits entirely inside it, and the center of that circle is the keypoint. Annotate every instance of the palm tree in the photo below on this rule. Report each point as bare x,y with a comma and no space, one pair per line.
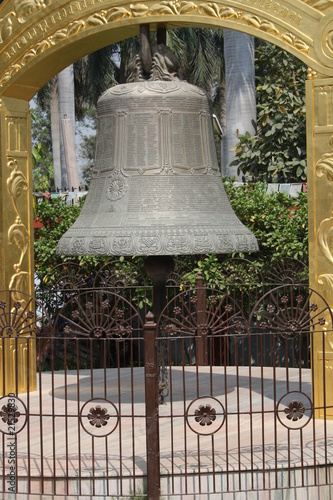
199,51
240,95
93,74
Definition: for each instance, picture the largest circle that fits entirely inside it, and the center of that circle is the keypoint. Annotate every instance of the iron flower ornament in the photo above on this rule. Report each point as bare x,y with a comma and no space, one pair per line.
98,416
295,410
205,415
9,414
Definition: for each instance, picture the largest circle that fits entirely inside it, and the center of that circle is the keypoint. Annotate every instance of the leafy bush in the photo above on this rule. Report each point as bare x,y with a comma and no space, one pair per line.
277,153
279,222
56,218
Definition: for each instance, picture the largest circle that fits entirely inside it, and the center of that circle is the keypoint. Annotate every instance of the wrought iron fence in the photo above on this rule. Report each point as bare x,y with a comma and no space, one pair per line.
227,391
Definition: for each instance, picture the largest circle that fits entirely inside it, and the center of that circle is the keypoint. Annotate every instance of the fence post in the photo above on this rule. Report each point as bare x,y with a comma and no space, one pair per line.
152,408
201,310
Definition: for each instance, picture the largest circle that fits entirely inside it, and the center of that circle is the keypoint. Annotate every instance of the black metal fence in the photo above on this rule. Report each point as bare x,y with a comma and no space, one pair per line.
225,391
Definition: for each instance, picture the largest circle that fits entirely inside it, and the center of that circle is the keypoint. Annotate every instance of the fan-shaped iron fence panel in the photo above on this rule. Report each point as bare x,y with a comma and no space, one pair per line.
78,426
247,419
231,393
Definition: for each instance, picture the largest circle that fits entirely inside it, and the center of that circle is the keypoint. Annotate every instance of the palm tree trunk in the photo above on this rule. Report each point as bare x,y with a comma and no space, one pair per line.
241,114
55,133
66,103
63,108
223,123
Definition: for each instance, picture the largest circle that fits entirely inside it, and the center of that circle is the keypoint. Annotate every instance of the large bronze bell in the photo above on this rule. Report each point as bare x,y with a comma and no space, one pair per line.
156,187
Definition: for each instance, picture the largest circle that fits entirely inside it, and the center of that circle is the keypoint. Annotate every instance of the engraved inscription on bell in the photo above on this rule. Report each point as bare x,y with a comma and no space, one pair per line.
169,134
183,199
187,141
142,152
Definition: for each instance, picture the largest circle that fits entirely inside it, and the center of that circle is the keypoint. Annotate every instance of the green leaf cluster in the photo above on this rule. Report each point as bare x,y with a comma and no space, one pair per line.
277,153
56,217
279,222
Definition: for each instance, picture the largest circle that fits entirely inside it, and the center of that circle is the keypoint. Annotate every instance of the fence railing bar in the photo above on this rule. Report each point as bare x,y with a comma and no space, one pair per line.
77,351
152,412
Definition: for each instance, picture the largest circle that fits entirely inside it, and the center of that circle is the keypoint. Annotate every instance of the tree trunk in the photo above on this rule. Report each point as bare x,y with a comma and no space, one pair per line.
241,114
223,123
55,133
66,112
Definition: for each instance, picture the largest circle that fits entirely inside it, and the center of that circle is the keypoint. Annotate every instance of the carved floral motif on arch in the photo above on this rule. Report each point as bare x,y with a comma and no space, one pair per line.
321,5
105,16
22,10
324,167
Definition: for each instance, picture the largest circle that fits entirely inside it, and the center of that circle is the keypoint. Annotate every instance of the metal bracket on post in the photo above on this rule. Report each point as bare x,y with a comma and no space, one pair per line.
152,408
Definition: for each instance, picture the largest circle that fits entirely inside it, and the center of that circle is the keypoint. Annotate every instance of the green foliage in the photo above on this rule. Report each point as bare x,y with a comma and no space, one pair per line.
41,126
279,222
200,52
43,169
87,146
56,217
277,153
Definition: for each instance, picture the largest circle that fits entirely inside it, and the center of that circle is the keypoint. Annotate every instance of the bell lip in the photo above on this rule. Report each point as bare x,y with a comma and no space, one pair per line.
157,244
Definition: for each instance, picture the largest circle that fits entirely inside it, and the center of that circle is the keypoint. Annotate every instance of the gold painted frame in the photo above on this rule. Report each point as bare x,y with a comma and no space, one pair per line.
38,38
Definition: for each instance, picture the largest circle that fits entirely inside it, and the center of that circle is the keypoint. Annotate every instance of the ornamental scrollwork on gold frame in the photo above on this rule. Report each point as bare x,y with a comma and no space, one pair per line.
16,182
326,281
173,7
17,233
324,165
324,234
319,4
23,9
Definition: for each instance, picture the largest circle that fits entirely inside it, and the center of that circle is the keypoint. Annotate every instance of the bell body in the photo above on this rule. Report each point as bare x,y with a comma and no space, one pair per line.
156,187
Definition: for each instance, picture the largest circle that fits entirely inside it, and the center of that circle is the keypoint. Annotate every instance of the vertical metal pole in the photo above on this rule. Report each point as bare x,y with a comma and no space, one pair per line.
145,48
152,408
161,34
158,267
201,310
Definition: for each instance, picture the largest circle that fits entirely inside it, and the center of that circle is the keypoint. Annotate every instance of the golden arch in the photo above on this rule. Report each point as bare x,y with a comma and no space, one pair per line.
38,38
34,33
